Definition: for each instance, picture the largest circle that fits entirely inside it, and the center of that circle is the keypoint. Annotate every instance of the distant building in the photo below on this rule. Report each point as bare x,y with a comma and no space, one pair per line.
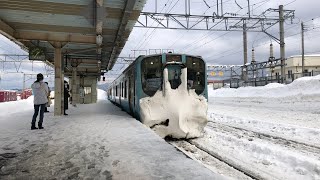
293,67
215,84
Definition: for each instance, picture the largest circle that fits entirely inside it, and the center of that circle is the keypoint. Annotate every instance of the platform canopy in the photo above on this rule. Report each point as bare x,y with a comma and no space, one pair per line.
92,33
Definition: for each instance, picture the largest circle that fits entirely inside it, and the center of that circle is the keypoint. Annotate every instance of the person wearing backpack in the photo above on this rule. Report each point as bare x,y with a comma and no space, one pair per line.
49,100
40,91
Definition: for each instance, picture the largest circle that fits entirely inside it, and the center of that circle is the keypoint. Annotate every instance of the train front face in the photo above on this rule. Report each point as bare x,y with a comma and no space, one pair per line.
173,95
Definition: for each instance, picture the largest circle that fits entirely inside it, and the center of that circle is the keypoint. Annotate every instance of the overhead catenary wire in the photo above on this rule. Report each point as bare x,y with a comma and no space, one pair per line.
261,44
154,30
149,29
258,5
206,35
195,22
209,33
264,43
290,2
200,38
182,35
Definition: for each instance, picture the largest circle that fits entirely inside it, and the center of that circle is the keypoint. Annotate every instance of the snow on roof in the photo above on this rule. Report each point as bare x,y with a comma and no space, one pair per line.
306,55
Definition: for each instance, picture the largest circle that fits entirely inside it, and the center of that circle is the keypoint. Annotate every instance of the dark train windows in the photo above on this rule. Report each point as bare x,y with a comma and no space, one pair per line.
151,74
116,90
125,89
122,89
196,74
173,58
174,75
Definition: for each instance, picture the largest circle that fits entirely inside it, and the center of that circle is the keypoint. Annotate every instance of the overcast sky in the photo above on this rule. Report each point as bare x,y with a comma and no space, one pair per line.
215,47
227,47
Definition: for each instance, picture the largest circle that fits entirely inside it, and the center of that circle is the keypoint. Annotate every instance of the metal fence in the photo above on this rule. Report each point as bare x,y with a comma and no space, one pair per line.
292,77
262,81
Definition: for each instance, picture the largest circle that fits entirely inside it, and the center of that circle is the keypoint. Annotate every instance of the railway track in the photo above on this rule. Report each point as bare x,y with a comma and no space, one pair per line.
269,137
220,161
214,161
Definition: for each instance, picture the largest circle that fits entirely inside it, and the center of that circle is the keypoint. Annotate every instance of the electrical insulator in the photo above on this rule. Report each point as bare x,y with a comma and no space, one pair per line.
253,57
271,51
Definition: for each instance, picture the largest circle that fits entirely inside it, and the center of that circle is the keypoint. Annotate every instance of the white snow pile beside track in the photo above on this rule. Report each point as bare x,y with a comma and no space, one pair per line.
301,86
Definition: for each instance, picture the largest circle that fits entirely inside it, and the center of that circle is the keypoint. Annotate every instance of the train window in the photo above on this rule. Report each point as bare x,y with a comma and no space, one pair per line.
122,89
174,76
151,74
125,89
173,58
196,74
116,90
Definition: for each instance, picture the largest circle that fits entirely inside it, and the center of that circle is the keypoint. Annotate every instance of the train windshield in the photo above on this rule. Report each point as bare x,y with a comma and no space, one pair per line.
174,75
196,74
151,77
173,58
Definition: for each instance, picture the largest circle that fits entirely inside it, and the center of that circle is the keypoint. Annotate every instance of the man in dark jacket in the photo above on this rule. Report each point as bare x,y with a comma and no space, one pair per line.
66,97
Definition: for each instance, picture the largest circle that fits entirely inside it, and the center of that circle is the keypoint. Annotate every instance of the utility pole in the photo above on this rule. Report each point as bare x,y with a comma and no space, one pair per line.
231,69
249,8
187,7
302,46
245,52
282,44
156,7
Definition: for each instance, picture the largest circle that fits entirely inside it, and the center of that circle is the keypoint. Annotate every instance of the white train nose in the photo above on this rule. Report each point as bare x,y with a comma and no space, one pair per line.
178,113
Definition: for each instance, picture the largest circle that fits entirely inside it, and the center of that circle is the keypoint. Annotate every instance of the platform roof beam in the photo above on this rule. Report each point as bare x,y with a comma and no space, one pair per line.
121,29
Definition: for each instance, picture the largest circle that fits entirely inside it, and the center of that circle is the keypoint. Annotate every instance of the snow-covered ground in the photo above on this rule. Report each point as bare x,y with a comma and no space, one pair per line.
272,132
95,141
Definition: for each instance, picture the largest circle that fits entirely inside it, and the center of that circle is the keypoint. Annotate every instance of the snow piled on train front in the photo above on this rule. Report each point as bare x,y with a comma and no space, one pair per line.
177,113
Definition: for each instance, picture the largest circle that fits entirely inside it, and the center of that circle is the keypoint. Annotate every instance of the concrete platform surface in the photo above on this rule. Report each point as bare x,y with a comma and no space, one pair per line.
96,141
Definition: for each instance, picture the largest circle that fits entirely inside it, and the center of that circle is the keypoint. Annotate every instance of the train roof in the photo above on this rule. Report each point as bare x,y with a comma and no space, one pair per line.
170,54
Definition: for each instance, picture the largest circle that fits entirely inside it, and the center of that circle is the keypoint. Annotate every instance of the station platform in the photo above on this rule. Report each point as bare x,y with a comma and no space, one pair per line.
95,141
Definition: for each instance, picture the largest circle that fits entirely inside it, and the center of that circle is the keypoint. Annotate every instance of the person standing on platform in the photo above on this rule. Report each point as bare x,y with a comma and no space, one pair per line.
49,100
66,97
40,92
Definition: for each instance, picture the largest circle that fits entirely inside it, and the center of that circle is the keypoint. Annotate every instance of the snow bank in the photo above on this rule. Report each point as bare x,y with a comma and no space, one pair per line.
11,107
178,113
102,95
301,86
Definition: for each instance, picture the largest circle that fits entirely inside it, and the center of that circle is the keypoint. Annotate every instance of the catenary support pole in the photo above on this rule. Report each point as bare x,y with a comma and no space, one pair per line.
282,44
302,47
245,52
